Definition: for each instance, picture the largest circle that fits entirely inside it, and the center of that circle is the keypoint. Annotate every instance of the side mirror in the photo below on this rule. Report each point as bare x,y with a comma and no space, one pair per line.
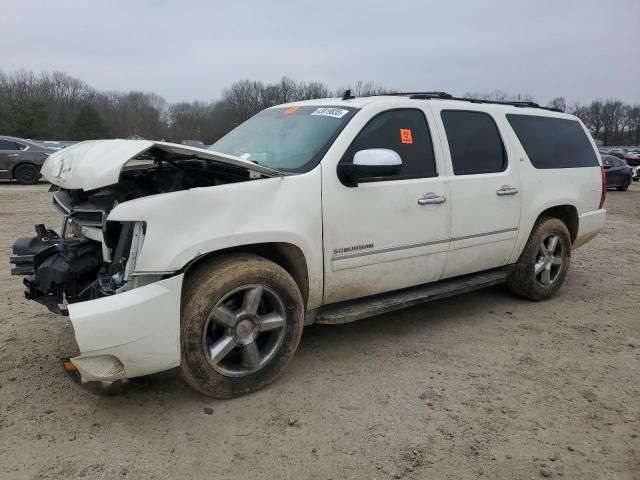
370,165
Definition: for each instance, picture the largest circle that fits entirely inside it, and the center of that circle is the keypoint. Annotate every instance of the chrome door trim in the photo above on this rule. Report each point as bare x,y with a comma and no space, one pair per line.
395,248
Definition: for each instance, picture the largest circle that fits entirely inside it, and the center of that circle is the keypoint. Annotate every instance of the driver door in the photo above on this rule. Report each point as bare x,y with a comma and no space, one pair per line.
389,232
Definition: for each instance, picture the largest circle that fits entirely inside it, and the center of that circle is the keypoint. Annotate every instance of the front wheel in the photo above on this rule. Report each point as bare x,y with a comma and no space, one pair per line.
544,262
242,318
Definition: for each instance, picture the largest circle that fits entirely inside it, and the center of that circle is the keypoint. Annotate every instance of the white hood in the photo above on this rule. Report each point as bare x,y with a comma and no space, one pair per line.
97,163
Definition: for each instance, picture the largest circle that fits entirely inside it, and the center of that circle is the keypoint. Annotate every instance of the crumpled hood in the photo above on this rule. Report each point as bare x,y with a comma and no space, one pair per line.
98,163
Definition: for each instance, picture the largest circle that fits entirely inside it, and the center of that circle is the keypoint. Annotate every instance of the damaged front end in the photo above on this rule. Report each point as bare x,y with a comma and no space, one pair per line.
89,259
93,257
126,322
90,263
56,267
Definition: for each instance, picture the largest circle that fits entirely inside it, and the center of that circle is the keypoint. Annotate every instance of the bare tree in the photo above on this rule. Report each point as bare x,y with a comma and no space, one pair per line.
559,103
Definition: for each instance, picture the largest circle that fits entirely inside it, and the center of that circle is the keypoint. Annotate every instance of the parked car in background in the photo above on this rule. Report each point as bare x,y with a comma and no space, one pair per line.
616,152
618,172
193,143
632,157
635,173
52,144
21,159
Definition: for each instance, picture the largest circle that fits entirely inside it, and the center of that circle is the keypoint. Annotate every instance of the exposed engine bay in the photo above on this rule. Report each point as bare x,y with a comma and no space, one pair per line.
92,257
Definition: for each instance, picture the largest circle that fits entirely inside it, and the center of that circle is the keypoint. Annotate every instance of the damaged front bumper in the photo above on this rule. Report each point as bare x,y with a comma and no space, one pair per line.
122,333
130,334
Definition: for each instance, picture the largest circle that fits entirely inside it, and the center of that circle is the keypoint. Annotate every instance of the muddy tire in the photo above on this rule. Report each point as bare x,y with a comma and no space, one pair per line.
241,321
26,174
544,262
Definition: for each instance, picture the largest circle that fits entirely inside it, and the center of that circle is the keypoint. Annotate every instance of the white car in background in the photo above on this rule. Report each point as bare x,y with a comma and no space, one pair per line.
322,211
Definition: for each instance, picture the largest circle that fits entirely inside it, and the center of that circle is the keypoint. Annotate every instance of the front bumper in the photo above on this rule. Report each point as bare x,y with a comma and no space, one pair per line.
589,225
129,334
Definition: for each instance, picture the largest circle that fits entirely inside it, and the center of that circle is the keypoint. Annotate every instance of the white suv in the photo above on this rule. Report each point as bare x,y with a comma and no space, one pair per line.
323,211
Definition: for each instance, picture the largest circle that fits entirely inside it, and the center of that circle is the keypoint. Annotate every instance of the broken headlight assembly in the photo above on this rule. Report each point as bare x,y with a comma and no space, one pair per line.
84,263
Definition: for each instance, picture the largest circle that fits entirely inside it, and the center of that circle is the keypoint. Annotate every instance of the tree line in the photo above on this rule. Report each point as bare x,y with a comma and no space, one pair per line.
55,105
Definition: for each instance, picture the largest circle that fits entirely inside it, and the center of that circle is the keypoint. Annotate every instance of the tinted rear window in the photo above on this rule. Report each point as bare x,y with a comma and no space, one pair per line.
553,142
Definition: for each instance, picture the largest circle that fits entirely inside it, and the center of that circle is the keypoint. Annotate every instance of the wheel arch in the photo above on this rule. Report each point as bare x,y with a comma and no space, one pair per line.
287,255
14,167
568,214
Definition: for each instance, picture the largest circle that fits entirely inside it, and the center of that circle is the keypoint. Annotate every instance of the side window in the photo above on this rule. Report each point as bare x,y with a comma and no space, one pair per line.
474,142
7,145
404,131
553,142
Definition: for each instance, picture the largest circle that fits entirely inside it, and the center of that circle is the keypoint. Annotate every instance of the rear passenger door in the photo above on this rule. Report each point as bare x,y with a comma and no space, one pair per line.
485,199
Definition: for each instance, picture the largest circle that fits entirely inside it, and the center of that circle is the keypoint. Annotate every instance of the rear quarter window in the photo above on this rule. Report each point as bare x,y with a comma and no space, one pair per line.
553,142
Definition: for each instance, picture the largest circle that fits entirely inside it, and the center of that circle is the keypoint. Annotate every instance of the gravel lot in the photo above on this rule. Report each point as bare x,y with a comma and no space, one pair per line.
484,385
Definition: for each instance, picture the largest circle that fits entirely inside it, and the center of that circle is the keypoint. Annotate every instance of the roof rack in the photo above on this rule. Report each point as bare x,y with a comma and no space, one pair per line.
448,96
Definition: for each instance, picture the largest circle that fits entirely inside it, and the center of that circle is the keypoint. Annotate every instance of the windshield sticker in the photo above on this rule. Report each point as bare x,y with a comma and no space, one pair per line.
330,112
290,110
405,135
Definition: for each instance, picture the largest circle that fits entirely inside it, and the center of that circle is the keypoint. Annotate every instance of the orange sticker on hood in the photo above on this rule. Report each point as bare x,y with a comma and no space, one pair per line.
405,135
290,110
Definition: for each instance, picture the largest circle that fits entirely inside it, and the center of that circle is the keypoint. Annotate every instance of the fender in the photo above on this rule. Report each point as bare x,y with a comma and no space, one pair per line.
184,225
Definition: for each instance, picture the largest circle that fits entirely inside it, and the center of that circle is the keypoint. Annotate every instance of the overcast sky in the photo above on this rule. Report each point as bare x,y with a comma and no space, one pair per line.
191,50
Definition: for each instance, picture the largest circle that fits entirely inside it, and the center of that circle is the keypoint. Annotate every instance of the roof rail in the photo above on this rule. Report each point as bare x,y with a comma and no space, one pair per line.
422,95
448,96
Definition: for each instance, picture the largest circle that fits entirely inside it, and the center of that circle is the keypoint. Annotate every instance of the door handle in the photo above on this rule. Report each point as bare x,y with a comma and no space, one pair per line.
432,199
506,190
12,155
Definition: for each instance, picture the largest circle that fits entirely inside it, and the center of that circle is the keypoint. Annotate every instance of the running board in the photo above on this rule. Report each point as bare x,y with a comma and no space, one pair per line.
352,310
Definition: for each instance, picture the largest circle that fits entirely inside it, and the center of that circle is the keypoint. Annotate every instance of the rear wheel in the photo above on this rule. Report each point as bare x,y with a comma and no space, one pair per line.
26,174
544,262
242,318
625,186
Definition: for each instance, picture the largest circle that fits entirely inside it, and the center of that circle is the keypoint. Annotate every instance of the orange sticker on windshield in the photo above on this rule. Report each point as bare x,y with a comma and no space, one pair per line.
405,135
290,110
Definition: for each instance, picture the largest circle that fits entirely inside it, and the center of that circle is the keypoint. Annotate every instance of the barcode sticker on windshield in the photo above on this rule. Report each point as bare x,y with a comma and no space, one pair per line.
331,112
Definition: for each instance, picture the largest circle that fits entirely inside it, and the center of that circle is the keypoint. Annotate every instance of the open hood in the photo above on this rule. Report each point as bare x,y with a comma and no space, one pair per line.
98,163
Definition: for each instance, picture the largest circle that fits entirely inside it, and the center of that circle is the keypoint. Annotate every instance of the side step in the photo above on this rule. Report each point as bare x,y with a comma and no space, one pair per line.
352,310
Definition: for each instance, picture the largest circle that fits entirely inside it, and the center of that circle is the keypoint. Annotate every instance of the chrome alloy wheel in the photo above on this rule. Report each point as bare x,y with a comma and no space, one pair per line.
549,260
244,330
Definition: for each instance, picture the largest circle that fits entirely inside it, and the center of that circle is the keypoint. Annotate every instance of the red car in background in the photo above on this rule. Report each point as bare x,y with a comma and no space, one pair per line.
632,157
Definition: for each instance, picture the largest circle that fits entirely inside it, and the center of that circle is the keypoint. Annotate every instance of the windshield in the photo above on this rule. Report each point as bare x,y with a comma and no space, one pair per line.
289,139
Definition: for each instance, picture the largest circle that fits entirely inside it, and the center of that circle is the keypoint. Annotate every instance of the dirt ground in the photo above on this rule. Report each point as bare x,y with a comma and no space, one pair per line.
484,385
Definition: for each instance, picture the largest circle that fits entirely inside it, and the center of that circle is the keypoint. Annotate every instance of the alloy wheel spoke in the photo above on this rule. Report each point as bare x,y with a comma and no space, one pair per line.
545,277
543,249
556,261
251,300
224,316
221,348
270,321
553,244
539,266
251,355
